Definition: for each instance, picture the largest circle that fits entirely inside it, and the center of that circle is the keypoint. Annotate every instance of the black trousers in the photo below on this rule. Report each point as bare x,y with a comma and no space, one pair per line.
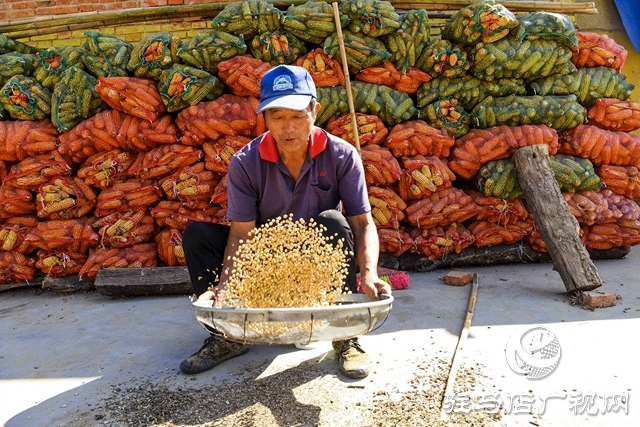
204,245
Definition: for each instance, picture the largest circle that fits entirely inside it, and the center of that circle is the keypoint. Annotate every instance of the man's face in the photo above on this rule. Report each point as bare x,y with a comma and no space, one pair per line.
290,128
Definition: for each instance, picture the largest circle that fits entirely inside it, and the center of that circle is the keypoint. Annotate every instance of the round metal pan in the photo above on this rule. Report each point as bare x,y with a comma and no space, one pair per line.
352,316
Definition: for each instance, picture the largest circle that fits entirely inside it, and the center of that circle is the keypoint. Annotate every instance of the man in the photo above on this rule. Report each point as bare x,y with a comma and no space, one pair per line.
294,168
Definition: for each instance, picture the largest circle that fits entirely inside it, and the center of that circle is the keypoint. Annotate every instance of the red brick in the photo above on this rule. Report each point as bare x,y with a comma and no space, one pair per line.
599,299
458,278
175,2
17,14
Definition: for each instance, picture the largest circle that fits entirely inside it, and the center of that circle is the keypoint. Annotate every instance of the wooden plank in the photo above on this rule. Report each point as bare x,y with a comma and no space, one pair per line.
68,284
144,281
558,227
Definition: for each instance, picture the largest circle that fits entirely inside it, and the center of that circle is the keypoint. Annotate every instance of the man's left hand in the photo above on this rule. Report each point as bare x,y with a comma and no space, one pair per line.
375,286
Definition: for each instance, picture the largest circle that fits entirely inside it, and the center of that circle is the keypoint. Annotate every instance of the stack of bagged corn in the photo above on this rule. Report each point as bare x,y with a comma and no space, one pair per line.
109,150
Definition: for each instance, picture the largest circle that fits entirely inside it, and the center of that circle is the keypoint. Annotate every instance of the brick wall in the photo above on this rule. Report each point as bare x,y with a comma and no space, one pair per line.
12,11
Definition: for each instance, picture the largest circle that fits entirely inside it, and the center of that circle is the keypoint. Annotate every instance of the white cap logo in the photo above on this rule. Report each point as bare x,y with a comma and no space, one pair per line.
533,352
282,83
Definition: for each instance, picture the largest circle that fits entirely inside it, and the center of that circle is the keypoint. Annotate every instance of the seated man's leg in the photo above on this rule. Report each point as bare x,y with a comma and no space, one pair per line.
204,245
353,360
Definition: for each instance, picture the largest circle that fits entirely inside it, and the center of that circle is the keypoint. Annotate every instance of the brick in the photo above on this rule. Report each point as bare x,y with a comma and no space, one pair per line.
43,37
458,278
599,299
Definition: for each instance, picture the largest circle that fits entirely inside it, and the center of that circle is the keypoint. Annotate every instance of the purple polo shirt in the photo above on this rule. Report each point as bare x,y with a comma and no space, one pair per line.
261,188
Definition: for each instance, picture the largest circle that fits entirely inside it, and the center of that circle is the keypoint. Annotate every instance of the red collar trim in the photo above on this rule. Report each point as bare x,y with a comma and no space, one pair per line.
269,150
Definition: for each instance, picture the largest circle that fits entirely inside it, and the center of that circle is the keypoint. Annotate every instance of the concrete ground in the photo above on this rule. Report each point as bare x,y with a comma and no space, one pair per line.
61,356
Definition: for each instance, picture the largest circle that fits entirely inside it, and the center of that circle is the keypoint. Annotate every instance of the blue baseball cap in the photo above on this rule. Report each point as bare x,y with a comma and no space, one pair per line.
286,86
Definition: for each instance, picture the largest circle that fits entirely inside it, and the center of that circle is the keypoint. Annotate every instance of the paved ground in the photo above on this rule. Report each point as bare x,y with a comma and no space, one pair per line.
63,356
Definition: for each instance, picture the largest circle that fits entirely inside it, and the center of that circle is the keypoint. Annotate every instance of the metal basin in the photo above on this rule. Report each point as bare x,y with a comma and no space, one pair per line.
352,316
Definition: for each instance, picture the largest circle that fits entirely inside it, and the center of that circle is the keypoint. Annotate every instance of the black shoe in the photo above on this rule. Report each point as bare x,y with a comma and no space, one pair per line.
353,360
214,351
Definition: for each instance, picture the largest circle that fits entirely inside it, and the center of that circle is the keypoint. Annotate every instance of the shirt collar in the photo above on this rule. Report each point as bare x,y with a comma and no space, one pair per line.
269,150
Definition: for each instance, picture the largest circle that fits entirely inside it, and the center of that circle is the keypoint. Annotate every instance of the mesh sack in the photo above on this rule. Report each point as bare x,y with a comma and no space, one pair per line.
209,48
137,256
60,263
152,54
361,51
407,42
248,18
484,21
16,267
182,86
132,95
34,171
278,47
312,21
169,244
547,25
75,235
23,98
124,229
53,62
373,18
21,139
106,55
74,99
65,198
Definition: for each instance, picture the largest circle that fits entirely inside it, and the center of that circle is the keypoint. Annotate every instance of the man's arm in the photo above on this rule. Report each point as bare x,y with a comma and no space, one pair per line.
367,250
239,231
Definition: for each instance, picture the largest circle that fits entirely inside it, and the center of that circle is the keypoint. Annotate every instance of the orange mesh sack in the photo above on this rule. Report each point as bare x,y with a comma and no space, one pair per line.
60,263
228,115
534,239
437,242
380,166
169,244
74,235
607,236
220,195
120,230
105,168
387,74
112,129
137,256
217,154
64,198
625,211
175,215
423,176
394,242
602,147
16,267
221,216
417,137
499,211
589,207
16,202
34,171
490,234
192,185
480,146
623,180
614,114
20,139
598,50
387,208
13,231
131,195
163,161
324,70
441,209
132,95
371,129
242,74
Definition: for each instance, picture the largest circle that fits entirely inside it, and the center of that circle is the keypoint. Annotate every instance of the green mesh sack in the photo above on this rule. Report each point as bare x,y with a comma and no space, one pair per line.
74,99
278,47
7,45
373,18
448,115
182,86
499,178
528,60
588,84
209,48
467,90
14,64
443,58
361,51
312,22
558,112
408,42
25,99
248,18
574,173
52,62
485,22
107,55
547,25
154,53
333,101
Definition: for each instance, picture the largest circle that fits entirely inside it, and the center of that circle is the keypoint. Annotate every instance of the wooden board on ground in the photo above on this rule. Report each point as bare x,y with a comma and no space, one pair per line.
143,281
68,284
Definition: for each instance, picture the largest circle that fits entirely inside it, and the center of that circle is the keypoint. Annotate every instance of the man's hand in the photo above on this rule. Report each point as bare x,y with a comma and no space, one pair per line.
217,295
374,286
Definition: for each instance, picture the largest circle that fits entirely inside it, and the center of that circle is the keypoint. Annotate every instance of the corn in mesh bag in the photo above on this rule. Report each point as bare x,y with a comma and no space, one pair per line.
443,58
315,273
248,18
361,51
547,25
373,18
278,47
14,64
182,86
312,21
106,55
7,44
409,40
209,48
154,53
53,62
74,99
25,99
484,21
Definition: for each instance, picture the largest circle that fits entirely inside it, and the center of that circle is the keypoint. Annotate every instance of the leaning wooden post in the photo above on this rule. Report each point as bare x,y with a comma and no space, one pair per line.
558,227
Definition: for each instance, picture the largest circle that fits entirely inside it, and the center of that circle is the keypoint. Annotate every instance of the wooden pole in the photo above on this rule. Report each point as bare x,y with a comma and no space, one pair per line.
347,81
558,228
455,361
